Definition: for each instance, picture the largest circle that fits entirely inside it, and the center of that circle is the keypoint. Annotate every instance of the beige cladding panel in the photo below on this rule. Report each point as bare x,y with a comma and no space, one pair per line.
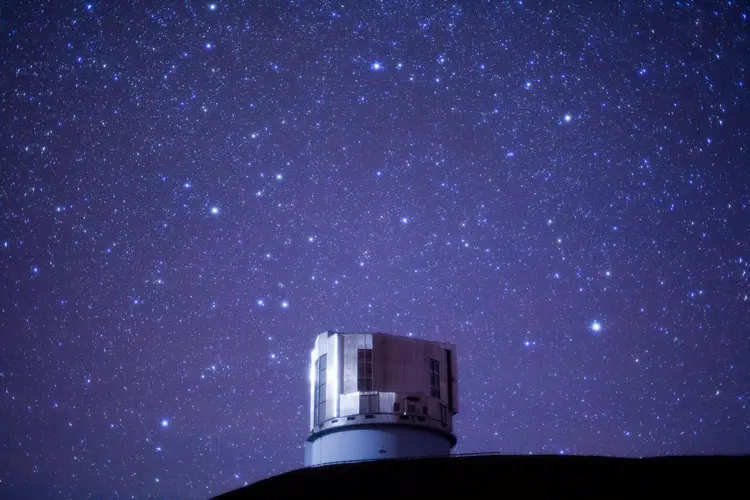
402,365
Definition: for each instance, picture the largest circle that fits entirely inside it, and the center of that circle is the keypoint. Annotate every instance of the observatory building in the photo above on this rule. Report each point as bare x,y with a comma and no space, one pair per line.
375,396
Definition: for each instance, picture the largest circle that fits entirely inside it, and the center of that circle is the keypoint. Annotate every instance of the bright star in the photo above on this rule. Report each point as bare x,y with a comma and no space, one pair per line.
596,326
214,210
212,6
376,66
260,302
284,304
568,118
404,220
164,422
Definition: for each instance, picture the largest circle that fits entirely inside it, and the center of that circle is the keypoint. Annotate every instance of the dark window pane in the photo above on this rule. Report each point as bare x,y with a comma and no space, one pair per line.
364,369
434,378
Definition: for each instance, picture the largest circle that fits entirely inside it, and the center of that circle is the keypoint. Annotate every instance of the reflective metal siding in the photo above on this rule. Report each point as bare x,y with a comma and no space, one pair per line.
402,374
386,401
312,375
333,375
349,404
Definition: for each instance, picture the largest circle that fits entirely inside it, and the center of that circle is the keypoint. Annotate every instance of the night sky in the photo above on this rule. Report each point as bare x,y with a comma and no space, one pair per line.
191,193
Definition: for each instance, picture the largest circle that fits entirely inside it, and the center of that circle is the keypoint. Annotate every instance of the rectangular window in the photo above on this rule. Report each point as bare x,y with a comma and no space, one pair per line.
364,369
322,412
316,397
434,378
410,408
320,389
396,408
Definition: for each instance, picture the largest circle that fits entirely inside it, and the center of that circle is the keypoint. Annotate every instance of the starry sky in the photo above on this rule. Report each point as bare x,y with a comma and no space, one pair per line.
191,192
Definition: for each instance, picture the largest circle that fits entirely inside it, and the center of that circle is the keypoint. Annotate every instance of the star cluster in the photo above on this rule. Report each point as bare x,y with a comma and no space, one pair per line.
191,192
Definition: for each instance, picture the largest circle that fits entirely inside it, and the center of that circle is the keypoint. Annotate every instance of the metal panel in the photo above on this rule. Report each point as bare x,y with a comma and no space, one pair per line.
350,363
323,344
386,402
332,379
349,404
312,376
401,374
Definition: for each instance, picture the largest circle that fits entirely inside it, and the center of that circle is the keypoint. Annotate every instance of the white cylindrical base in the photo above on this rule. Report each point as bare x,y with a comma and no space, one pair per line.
375,442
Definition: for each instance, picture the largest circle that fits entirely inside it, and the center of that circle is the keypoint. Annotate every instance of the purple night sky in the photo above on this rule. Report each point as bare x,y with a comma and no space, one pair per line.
190,193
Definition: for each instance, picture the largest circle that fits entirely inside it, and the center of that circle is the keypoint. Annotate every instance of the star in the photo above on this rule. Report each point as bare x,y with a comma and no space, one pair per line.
568,211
